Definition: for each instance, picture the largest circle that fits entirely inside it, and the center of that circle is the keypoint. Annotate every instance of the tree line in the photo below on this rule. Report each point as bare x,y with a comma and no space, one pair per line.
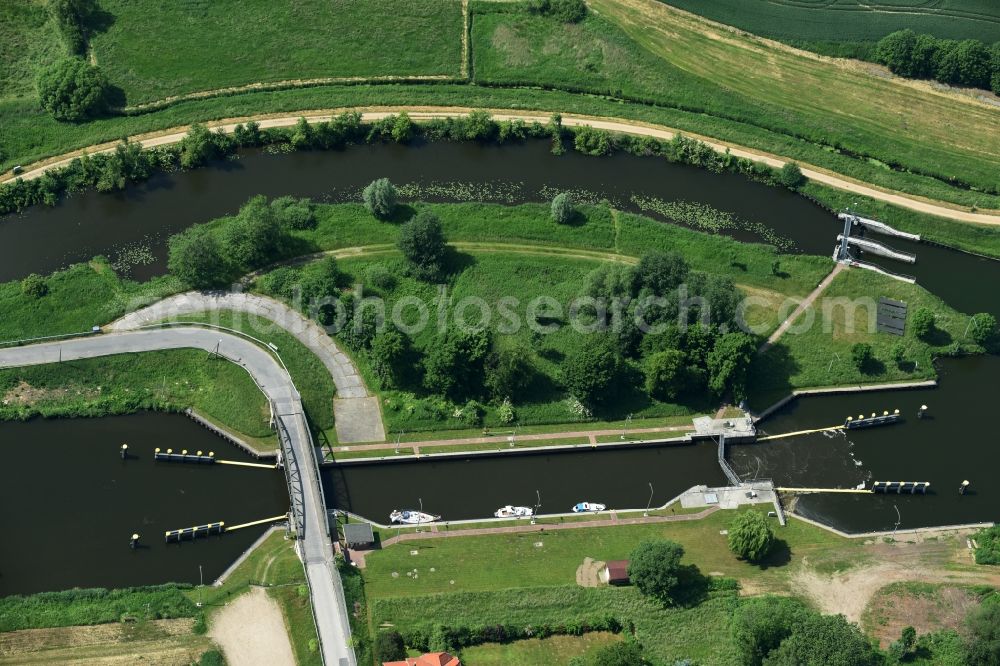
969,62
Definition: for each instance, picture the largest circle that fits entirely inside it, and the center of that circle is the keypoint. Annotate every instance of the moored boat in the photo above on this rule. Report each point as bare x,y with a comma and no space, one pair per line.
584,507
412,517
514,512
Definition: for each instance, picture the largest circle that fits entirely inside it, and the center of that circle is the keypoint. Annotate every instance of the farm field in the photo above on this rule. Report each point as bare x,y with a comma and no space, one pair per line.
154,50
27,38
832,22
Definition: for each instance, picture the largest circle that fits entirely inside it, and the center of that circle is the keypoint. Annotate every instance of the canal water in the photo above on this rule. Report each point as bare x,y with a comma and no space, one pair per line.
69,503
136,223
476,486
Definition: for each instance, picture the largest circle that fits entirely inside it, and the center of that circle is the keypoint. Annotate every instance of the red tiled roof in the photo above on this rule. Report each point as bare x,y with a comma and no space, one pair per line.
429,659
617,570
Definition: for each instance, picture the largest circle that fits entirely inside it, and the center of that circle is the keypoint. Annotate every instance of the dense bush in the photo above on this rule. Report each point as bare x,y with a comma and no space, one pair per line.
389,646
967,63
454,364
988,541
862,355
982,643
822,640
761,623
567,11
389,353
590,141
791,176
294,214
252,238
922,322
211,658
71,89
200,145
440,637
380,197
93,606
34,286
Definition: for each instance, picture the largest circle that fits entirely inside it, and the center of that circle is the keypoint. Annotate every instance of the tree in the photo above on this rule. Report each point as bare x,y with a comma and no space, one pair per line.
761,623
750,537
654,568
380,198
567,11
824,640
320,280
388,354
922,322
294,213
661,272
728,363
895,51
453,366
902,649
508,372
622,653
199,146
947,65
252,238
982,327
925,52
422,242
563,211
72,16
389,646
862,355
791,176
195,257
982,646
665,374
71,89
590,371
974,66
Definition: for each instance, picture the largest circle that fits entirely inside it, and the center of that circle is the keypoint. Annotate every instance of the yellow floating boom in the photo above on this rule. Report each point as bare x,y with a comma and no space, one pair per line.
283,516
800,432
855,491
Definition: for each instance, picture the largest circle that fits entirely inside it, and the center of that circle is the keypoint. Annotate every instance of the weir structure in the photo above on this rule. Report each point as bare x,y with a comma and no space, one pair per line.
846,240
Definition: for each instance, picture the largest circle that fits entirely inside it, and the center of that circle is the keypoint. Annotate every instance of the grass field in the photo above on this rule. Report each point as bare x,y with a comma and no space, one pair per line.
554,650
27,39
82,296
126,383
829,25
155,49
822,101
308,373
821,355
472,562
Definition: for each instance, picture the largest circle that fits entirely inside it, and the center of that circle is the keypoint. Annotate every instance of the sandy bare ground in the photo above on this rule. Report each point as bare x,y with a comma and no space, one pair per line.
619,125
924,560
157,643
588,573
251,631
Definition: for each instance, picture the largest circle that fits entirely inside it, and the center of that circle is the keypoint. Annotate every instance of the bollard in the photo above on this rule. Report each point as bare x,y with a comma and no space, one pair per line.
124,451
962,488
133,542
921,411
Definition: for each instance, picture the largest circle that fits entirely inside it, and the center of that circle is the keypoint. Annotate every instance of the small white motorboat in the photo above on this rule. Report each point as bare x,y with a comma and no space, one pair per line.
514,512
412,517
585,507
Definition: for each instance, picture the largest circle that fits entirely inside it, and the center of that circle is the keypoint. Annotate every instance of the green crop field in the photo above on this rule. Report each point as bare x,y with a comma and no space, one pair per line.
158,49
804,22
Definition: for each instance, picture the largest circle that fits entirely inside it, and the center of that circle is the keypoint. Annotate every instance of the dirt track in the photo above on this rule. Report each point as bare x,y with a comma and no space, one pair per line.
251,631
174,135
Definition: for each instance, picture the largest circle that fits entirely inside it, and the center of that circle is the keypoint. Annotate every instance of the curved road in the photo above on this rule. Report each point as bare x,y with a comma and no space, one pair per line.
356,411
315,548
619,125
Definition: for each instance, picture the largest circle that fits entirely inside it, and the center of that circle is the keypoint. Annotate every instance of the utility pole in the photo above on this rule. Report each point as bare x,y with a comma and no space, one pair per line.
538,506
628,419
420,516
650,502
201,584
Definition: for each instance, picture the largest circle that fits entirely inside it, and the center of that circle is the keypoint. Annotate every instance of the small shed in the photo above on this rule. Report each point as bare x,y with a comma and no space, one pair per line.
615,572
358,535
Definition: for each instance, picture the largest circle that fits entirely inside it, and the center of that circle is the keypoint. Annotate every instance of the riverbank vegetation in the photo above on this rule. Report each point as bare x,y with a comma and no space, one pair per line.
745,112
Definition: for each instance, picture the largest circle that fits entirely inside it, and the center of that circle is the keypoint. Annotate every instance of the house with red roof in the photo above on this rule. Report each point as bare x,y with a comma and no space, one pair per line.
429,659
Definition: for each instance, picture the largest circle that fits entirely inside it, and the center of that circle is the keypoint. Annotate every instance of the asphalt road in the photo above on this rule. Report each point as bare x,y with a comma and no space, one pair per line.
315,549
